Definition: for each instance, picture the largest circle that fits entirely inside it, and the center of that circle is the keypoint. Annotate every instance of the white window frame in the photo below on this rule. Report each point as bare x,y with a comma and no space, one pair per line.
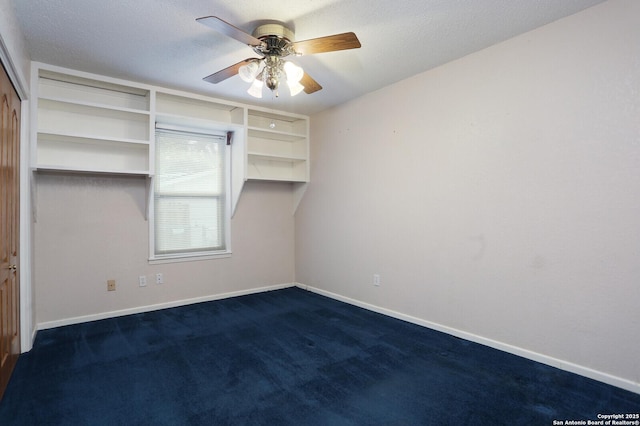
201,255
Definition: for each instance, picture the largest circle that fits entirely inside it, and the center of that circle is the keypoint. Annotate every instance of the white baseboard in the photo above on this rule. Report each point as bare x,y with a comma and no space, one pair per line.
149,308
525,353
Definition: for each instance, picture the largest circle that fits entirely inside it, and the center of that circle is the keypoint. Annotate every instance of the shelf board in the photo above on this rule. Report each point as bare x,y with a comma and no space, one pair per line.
86,138
259,132
198,123
276,179
197,107
272,157
65,169
93,105
273,115
73,79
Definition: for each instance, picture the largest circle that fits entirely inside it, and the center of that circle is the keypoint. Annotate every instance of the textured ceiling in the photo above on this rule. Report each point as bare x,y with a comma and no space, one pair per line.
159,41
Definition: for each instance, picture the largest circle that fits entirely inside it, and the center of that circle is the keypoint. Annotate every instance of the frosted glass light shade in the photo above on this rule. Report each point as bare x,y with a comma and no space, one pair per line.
256,89
248,72
294,72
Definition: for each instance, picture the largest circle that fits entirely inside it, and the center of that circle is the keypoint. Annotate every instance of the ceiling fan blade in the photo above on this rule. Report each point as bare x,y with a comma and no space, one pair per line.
223,74
327,44
229,30
310,85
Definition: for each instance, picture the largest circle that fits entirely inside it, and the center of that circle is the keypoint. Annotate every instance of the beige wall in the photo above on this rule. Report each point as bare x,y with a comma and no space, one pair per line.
90,229
498,196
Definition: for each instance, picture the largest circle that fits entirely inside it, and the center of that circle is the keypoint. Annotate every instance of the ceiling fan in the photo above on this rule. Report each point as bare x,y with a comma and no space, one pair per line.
274,42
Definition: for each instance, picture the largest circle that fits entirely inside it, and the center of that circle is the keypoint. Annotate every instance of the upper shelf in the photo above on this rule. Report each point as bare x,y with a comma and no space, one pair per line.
73,89
196,110
274,135
64,117
277,124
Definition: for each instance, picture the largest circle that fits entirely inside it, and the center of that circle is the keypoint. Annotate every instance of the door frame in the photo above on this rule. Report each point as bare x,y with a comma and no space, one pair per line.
27,329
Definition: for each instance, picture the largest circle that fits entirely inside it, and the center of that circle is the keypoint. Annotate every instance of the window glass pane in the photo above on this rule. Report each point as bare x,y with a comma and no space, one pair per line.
189,207
189,164
188,224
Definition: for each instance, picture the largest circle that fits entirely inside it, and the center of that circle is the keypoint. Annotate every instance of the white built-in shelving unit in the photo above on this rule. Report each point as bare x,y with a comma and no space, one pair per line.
85,123
277,147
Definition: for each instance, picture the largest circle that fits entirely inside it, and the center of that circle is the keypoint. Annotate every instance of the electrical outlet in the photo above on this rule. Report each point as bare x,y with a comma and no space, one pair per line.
159,278
142,280
376,280
111,285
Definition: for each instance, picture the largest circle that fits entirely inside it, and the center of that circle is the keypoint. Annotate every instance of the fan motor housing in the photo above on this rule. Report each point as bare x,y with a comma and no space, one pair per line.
277,38
273,30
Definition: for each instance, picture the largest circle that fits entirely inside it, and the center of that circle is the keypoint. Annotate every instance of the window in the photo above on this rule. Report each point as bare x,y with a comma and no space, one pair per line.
190,209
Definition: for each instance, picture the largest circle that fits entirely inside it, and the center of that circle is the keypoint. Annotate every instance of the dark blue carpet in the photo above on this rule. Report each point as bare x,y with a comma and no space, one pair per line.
286,357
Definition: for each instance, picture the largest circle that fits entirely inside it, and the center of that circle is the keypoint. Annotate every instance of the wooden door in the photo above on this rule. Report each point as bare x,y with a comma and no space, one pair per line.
9,229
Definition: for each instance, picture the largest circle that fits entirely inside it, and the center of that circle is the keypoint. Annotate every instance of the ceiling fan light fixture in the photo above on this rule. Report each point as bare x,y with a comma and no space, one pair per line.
294,72
248,72
256,88
273,42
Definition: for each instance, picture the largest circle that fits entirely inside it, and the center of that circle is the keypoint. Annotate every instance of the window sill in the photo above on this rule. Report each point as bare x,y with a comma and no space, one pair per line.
195,257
